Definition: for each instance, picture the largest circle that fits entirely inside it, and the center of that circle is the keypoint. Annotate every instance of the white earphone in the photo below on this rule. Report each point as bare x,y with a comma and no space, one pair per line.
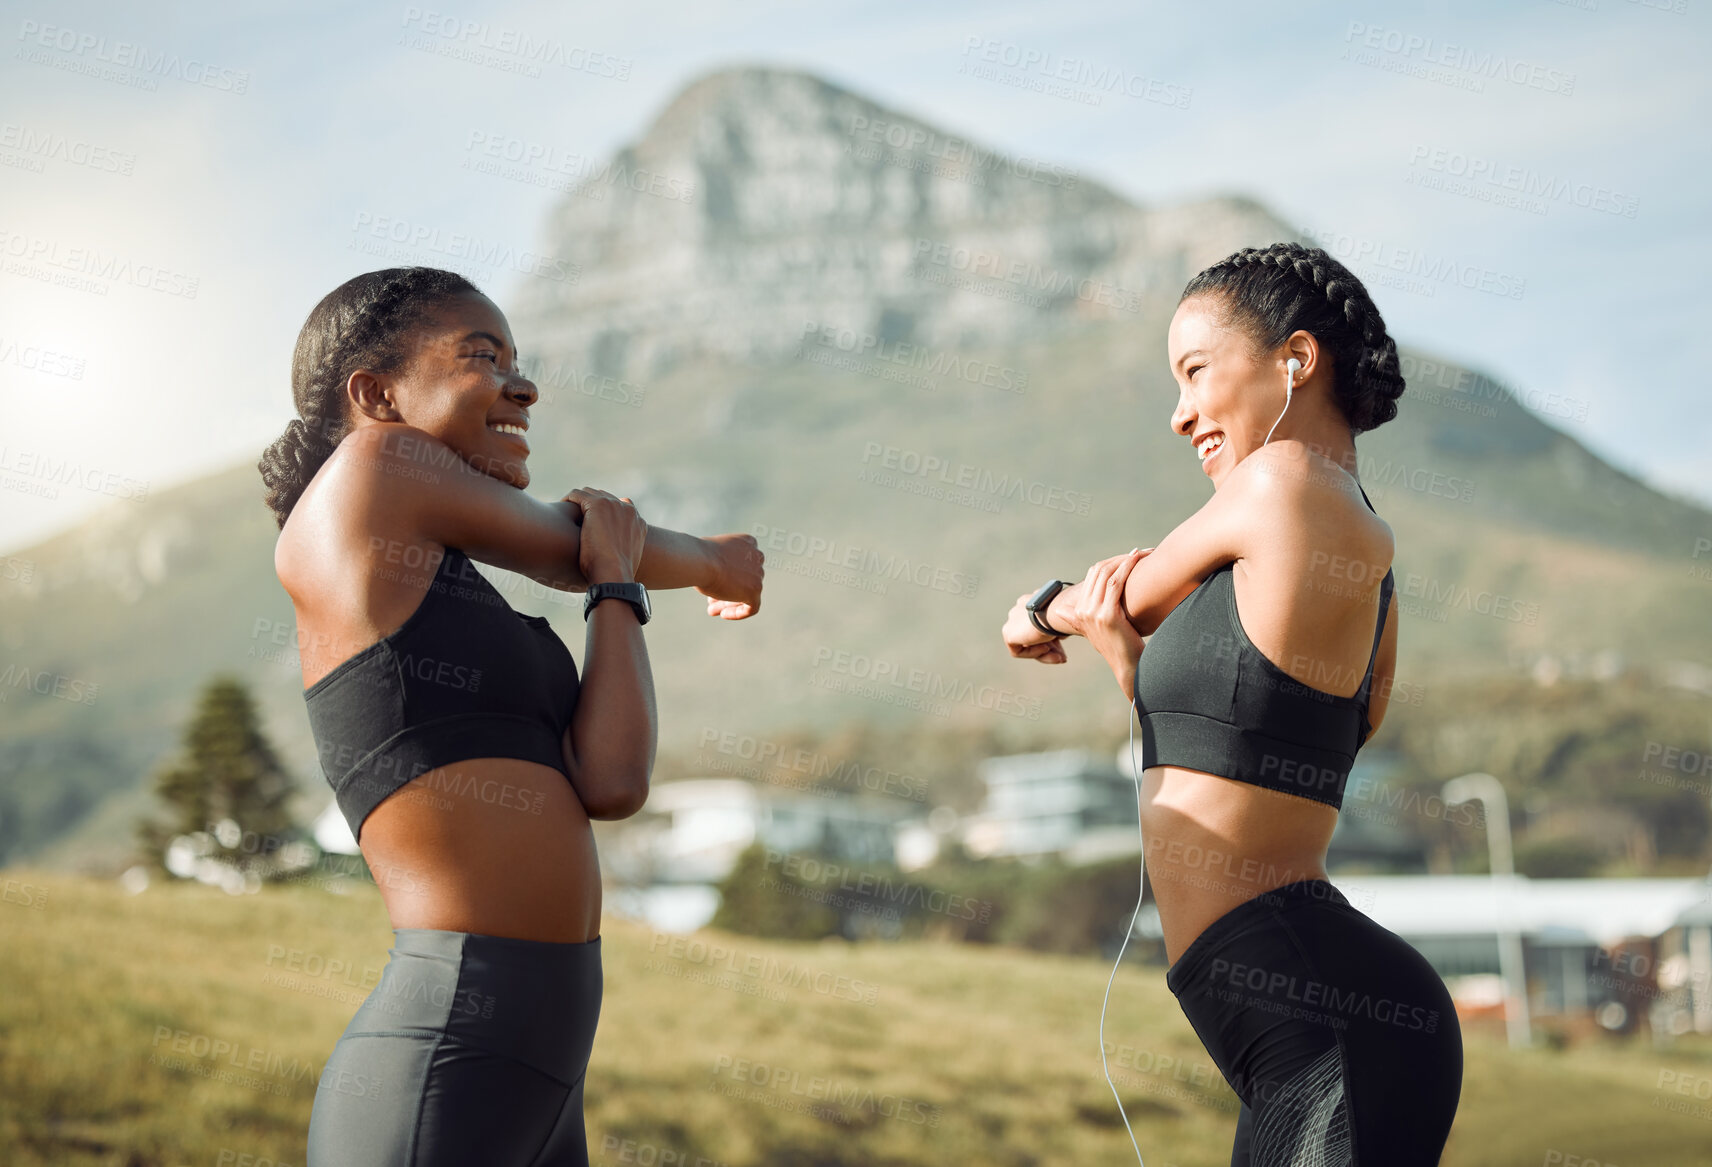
1291,368
1141,893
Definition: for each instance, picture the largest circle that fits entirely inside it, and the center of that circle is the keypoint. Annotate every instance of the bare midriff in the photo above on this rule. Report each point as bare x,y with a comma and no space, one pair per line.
498,846
1211,843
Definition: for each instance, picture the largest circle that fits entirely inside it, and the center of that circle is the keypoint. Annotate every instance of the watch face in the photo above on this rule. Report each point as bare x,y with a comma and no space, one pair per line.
1046,592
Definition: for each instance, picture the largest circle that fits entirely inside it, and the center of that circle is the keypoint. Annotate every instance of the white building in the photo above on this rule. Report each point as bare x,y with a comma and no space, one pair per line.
1685,969
668,858
1058,802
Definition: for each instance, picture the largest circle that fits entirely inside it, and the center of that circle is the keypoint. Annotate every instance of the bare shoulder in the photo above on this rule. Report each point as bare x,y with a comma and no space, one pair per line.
1306,504
1290,473
360,500
1269,492
405,487
383,478
288,562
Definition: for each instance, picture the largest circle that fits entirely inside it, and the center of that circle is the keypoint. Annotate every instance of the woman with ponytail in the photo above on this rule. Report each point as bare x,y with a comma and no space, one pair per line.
1271,647
462,746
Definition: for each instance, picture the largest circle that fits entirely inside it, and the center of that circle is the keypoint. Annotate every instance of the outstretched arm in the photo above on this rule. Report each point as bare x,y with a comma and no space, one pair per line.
671,559
425,488
1222,530
727,569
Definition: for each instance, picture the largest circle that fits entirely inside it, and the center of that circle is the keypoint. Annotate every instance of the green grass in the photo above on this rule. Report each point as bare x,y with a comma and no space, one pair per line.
981,1056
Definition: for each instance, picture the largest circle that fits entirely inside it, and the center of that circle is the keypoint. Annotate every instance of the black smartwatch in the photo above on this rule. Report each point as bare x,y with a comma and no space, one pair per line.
629,591
1037,605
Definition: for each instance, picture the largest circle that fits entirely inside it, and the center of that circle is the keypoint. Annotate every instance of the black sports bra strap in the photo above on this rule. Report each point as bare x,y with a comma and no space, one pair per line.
1378,632
1384,603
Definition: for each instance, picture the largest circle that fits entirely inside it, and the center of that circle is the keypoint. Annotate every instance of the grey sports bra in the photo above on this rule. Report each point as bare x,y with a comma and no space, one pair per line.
1209,700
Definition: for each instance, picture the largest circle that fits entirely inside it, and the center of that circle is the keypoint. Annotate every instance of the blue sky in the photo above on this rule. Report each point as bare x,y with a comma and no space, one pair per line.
1356,121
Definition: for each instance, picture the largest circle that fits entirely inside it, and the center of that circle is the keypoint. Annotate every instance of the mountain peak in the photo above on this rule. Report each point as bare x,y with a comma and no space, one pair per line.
736,87
762,197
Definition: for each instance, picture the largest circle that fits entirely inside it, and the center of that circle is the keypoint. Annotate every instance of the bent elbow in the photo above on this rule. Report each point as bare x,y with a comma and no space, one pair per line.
617,798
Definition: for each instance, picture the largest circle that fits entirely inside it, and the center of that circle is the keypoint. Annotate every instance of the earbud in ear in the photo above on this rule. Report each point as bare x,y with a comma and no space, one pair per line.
1290,369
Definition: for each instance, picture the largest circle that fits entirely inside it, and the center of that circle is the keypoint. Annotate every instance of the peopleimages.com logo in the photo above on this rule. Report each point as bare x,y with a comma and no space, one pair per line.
1469,174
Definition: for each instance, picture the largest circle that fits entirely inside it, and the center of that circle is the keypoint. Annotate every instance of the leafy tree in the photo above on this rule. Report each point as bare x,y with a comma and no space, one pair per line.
227,784
760,900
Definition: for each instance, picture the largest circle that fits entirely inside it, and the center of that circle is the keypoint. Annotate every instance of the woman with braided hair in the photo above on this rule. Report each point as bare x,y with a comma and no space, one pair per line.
462,747
1270,646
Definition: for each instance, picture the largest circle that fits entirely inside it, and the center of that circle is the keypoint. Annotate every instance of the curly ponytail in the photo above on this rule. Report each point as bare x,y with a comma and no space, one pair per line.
1276,290
366,322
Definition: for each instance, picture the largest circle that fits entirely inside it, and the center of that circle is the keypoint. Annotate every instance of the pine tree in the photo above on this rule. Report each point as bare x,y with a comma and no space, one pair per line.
227,770
773,903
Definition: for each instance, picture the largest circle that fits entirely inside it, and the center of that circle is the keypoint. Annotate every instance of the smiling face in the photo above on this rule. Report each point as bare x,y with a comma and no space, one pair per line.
461,384
1228,396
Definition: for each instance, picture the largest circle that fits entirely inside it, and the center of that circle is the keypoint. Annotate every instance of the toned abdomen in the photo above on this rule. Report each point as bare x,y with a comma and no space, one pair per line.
498,846
1213,843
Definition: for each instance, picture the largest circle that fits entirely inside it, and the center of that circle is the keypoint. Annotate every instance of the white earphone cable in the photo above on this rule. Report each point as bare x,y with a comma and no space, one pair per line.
1141,894
1289,389
1136,773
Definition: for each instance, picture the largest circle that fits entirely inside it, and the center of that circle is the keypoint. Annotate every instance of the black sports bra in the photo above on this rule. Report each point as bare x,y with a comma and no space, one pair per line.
1209,700
466,676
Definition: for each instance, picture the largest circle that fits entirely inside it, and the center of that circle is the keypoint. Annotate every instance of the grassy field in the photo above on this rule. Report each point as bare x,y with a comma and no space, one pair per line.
183,1026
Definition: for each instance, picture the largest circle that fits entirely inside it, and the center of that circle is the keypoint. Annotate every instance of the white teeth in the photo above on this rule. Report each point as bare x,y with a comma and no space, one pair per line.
1212,443
507,428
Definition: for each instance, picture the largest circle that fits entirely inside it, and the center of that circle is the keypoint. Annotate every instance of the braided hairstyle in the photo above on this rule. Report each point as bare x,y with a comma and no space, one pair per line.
1273,291
367,322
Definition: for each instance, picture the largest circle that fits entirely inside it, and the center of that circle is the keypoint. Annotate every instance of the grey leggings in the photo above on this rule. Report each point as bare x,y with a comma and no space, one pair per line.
471,1049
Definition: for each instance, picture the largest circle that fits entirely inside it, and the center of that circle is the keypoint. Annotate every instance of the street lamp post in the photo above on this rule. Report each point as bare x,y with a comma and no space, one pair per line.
1490,792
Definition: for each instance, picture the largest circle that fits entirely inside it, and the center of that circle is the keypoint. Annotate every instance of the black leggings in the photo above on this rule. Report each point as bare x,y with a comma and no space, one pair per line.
1340,1039
470,1049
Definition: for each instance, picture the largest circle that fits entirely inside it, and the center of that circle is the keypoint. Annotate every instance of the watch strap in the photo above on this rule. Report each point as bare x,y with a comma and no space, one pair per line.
630,591
1036,616
1040,623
